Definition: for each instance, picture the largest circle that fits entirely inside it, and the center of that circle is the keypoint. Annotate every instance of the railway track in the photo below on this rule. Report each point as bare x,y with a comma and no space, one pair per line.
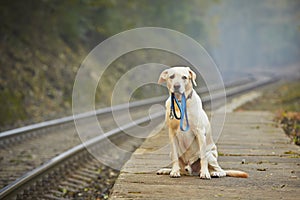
69,170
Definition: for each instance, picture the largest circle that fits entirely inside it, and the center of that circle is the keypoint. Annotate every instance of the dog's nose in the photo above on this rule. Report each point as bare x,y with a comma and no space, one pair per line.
176,86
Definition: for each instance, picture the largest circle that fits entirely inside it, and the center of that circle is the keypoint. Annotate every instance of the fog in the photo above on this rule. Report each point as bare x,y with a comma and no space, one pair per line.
252,35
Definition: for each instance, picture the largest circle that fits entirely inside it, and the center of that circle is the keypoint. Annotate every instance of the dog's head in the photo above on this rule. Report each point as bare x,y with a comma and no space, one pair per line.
178,79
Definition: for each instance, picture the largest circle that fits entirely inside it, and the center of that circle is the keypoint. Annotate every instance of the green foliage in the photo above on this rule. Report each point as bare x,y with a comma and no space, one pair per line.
43,43
11,108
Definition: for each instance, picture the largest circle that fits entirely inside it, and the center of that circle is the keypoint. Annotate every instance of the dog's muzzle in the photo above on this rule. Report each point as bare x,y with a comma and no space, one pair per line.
176,88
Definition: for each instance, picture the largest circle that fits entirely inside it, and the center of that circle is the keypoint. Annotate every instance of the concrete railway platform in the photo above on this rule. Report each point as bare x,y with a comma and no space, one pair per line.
250,141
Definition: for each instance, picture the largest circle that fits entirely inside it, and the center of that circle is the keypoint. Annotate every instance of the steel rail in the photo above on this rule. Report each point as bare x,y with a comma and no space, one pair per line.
261,81
64,120
38,172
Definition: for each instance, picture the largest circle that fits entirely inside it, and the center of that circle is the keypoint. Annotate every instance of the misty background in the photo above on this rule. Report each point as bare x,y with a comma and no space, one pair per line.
43,43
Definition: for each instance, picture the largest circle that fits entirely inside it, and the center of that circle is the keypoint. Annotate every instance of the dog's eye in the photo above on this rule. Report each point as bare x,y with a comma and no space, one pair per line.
172,76
184,77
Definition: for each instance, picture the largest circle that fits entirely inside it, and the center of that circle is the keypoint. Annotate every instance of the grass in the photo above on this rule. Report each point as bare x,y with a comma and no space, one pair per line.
283,96
290,122
283,99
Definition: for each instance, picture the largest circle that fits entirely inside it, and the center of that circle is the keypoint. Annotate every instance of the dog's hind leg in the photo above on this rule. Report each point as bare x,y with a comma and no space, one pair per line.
164,171
217,171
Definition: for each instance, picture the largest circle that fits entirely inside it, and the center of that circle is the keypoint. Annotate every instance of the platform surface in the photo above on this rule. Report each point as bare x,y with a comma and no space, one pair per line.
249,141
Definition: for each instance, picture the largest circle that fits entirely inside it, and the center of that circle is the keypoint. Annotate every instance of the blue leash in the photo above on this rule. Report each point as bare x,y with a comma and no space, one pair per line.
183,113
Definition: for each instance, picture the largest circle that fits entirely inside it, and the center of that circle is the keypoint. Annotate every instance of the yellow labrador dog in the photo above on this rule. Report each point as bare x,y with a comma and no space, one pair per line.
192,151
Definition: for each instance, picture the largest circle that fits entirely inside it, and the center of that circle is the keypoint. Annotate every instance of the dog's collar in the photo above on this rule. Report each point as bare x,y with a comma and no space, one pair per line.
190,95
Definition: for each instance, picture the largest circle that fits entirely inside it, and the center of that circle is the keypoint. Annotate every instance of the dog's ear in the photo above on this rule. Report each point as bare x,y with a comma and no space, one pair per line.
193,76
163,76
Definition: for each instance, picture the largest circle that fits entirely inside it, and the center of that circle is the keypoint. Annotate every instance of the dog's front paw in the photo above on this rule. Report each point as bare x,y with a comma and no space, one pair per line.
175,174
205,175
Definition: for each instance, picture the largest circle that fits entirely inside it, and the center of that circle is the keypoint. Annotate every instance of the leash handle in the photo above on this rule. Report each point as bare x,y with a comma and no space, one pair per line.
173,111
183,112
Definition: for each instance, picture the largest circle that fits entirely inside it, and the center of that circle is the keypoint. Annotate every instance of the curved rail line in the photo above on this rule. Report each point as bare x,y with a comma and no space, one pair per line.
8,136
37,176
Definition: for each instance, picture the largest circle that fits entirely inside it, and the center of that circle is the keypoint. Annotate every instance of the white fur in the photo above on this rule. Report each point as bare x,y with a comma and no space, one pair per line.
188,147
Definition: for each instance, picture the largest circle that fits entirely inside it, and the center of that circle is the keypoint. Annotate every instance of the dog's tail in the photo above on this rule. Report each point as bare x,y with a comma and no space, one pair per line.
236,173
